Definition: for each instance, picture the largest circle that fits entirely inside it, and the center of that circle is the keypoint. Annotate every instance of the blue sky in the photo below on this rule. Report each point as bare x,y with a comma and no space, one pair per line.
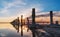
16,8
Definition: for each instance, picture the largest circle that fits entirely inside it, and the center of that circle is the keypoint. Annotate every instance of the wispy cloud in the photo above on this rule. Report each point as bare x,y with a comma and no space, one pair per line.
14,3
8,5
28,10
18,8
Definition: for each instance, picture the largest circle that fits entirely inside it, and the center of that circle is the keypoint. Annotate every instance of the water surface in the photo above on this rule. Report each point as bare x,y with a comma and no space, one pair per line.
7,30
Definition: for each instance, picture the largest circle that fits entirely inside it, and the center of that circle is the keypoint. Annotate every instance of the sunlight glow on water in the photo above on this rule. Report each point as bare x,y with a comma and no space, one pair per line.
7,30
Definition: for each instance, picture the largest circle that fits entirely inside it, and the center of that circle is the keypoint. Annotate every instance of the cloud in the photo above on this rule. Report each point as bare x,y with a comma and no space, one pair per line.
27,11
19,7
16,8
8,5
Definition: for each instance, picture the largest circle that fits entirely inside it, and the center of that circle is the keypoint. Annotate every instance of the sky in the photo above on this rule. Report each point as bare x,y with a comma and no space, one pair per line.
10,9
16,8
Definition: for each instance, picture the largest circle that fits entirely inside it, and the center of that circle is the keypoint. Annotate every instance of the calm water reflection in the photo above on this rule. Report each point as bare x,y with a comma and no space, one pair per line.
7,30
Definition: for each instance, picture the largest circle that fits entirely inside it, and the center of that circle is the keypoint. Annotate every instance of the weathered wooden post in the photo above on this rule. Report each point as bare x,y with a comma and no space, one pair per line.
51,17
33,16
21,25
33,22
15,23
57,22
27,24
18,25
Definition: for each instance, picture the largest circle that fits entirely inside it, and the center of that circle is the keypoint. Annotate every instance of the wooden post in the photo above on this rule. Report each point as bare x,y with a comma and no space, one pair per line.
21,25
33,22
33,16
28,24
18,24
51,17
57,22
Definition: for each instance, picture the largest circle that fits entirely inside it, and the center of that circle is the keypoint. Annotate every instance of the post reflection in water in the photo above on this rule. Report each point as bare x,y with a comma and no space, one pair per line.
7,30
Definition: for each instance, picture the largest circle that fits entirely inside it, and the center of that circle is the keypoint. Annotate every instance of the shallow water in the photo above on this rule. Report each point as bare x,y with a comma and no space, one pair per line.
7,30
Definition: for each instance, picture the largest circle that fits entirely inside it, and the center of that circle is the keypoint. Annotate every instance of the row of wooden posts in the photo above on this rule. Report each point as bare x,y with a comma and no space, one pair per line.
33,23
